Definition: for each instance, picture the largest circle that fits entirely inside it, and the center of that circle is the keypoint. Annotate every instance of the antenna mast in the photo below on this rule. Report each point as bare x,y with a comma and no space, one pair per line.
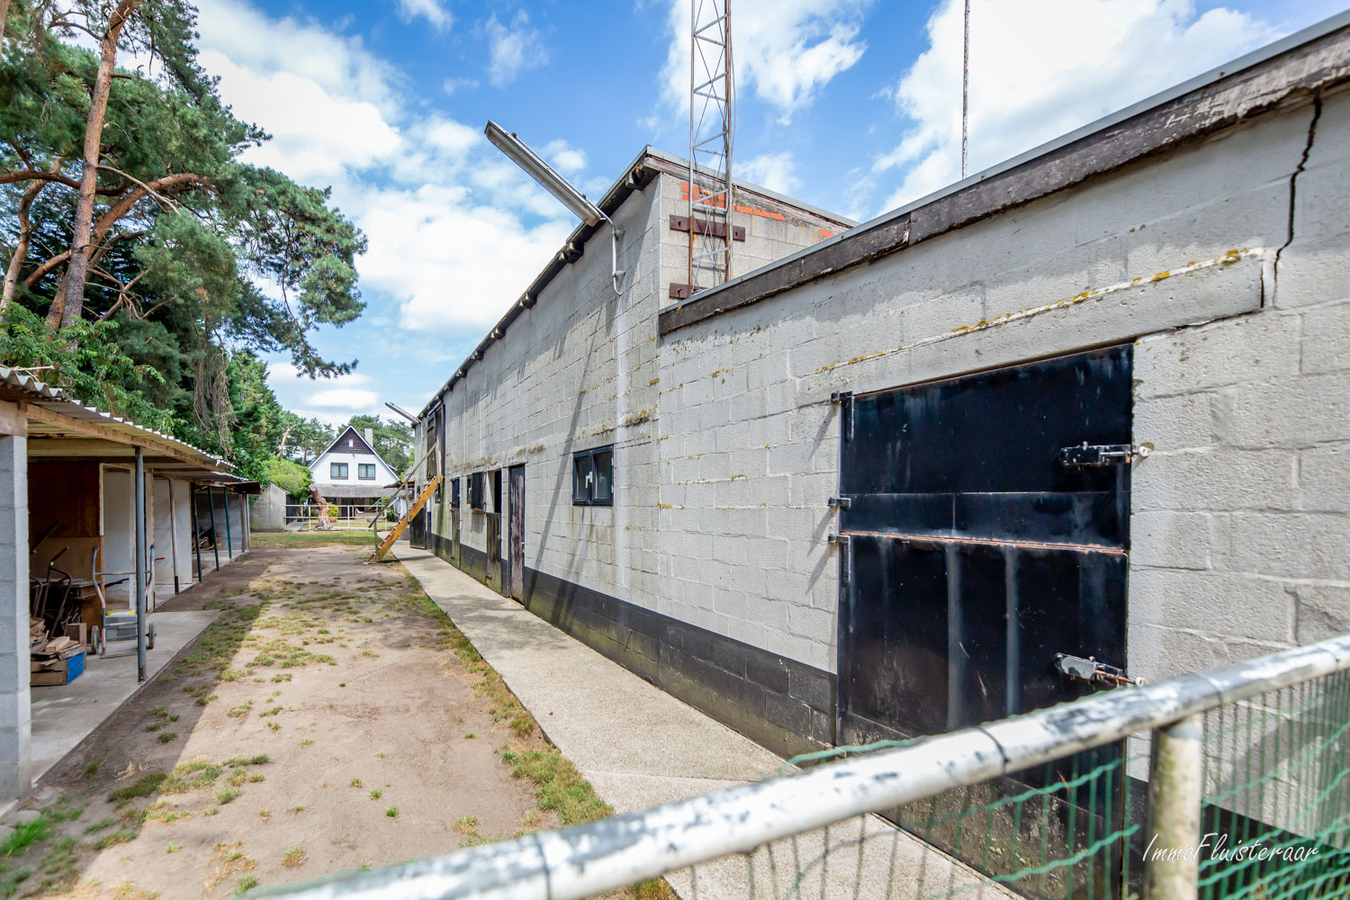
711,123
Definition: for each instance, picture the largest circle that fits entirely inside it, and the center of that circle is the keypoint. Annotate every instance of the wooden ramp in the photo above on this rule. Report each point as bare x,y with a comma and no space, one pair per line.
402,524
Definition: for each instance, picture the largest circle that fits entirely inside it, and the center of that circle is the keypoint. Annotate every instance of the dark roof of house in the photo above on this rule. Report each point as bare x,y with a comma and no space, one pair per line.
1300,65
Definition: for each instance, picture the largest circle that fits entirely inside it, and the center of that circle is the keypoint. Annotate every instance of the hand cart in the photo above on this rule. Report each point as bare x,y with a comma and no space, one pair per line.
119,625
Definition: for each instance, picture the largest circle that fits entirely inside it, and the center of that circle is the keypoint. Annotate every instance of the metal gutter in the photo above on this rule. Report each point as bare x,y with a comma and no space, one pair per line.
1301,64
637,175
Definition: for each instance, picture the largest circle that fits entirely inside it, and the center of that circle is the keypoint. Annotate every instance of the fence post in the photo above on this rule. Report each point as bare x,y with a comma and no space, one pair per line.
1171,857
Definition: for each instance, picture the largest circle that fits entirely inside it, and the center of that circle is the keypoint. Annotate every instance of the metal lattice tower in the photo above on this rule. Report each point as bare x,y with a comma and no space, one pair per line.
711,122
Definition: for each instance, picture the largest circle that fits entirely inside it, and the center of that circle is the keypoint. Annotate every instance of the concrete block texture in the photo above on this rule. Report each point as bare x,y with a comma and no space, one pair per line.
15,714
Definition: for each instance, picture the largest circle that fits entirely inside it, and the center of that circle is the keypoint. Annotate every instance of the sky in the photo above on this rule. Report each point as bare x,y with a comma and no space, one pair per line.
850,105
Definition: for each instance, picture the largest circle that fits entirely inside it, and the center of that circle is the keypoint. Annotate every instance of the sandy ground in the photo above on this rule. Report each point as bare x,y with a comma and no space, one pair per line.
322,724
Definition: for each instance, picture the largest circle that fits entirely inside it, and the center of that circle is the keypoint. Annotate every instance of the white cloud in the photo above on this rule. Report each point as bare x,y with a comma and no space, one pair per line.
771,170
451,85
431,10
349,399
512,48
454,230
566,159
785,50
1040,68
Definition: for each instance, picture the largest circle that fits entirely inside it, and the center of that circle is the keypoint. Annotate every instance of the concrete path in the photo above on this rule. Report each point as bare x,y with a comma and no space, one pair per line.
640,747
65,715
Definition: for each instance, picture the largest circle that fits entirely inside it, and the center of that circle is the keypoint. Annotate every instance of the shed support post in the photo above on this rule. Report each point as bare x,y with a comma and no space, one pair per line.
139,565
1175,778
173,537
229,540
196,529
215,533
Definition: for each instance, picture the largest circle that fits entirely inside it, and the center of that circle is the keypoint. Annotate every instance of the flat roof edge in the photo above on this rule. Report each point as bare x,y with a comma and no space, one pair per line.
1301,64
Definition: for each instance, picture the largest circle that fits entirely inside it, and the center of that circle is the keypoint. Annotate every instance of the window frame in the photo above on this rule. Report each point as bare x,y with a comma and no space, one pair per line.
333,471
588,457
476,491
454,493
370,477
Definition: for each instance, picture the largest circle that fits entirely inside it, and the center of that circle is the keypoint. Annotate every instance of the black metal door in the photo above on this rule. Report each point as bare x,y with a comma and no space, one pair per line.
975,549
417,530
494,573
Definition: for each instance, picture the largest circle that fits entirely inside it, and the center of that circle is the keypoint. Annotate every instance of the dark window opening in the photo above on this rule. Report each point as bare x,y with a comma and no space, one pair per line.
337,470
476,490
495,490
365,471
593,477
454,494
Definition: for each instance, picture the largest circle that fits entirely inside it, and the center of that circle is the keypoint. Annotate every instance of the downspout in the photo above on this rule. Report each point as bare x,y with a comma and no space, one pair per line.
215,535
139,565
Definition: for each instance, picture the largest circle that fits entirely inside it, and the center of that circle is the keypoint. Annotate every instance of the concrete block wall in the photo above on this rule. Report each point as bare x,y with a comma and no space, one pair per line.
1241,519
568,376
15,710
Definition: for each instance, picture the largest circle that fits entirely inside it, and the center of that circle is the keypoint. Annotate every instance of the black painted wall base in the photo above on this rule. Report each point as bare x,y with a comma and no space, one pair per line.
779,703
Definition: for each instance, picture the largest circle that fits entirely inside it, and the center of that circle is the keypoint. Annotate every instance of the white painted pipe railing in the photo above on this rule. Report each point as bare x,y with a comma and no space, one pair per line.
584,860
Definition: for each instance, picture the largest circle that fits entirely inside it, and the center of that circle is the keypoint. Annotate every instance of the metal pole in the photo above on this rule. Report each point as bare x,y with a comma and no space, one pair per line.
140,564
965,90
1171,859
196,529
215,535
229,541
173,536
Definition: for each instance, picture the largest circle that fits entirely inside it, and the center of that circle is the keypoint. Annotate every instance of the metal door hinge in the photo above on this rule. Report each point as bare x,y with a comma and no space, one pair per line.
1076,667
841,502
1086,455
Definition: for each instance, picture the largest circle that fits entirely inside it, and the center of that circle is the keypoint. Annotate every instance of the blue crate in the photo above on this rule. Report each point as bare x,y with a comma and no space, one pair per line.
74,667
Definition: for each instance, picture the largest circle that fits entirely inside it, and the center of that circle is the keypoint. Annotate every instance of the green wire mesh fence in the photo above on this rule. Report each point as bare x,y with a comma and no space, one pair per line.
1054,804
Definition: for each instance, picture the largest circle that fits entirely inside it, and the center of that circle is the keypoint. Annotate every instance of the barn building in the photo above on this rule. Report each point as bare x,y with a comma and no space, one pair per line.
1094,401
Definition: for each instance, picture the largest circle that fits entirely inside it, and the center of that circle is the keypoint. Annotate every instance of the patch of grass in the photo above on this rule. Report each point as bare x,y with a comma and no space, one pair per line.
173,848
9,885
99,826
559,786
282,676
236,712
168,736
257,759
376,793
294,858
226,795
290,540
120,836
92,768
265,813
142,787
392,812
306,742
275,726
356,783
245,884
466,824
298,809
25,835
470,736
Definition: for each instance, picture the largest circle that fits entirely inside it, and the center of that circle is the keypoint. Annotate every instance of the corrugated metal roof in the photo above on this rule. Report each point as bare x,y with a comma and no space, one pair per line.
39,393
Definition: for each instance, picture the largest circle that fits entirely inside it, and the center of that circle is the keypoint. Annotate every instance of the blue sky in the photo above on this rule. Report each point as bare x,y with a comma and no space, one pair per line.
848,104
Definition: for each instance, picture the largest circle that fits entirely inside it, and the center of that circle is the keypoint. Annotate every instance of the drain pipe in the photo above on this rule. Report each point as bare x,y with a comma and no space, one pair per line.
140,564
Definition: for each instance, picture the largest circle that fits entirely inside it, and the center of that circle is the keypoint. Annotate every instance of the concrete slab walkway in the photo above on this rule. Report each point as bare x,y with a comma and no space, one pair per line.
65,715
640,747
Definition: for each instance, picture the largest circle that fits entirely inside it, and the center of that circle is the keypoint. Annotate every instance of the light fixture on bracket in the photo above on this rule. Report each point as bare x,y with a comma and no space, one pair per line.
401,411
533,165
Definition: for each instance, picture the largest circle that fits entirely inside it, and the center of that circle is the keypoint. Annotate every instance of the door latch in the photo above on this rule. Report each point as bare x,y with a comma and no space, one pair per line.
1085,454
1077,668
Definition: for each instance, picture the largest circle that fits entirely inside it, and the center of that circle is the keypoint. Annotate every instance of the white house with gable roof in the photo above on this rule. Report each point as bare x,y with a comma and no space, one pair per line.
350,473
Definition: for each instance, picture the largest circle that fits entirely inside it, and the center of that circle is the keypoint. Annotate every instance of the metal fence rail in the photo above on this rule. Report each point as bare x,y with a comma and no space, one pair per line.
1055,803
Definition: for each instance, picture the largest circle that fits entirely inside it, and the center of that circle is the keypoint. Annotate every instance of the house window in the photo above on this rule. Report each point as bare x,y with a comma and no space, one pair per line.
365,471
337,471
476,490
593,477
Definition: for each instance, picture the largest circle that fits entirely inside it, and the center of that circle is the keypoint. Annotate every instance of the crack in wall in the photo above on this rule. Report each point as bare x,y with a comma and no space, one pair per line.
1293,184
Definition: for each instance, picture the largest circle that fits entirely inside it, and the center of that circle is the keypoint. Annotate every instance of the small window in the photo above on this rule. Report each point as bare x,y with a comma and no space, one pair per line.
337,471
593,477
476,490
365,471
454,494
